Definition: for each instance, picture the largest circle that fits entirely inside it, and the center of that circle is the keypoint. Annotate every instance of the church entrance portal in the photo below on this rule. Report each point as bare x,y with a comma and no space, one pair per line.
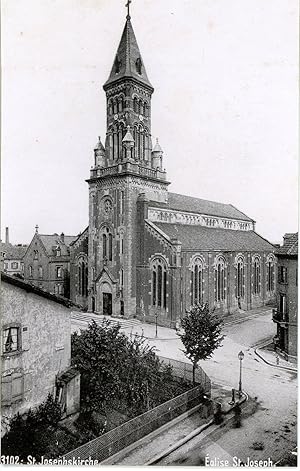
107,304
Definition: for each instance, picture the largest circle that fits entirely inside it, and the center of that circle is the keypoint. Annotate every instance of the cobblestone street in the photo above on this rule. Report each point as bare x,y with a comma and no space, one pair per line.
272,421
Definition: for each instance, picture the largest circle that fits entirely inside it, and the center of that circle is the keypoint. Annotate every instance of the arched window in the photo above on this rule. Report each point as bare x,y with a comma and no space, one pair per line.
104,244
135,105
240,278
121,278
256,275
120,107
115,106
159,283
107,245
114,145
110,240
142,146
197,282
144,108
138,65
141,107
220,279
82,277
270,274
135,137
30,271
121,243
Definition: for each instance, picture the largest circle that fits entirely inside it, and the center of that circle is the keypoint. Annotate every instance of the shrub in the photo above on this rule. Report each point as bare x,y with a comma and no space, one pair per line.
32,433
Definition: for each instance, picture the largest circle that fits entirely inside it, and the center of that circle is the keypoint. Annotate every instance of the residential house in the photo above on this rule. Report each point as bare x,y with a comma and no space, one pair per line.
286,314
35,349
11,259
47,262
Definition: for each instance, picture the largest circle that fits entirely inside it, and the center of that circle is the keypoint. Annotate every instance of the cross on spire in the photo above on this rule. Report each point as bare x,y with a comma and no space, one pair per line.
128,6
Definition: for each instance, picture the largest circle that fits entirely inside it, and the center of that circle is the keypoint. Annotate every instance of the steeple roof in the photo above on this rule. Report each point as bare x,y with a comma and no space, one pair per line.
128,61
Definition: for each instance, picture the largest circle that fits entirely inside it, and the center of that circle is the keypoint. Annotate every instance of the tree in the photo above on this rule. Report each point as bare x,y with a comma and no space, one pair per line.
200,334
119,372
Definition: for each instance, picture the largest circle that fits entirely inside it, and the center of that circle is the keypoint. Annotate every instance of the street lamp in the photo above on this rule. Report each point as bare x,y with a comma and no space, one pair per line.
240,357
156,315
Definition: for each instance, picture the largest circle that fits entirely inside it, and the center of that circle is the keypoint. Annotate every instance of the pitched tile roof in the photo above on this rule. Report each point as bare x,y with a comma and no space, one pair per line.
25,285
205,238
197,205
13,252
290,245
53,240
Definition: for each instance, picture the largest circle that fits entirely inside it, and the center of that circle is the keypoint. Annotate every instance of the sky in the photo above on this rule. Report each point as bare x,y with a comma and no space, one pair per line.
225,105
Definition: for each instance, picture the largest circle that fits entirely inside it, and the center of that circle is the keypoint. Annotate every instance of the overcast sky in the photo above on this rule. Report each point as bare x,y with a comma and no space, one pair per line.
224,108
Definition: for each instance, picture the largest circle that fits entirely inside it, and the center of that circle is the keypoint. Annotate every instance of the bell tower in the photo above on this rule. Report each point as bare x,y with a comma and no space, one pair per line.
123,169
128,98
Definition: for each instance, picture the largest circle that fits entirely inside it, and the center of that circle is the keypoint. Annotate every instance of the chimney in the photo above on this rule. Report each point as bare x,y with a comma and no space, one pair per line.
6,235
62,237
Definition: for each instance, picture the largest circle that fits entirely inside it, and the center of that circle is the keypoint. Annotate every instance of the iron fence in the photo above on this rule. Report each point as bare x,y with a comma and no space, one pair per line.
120,437
185,371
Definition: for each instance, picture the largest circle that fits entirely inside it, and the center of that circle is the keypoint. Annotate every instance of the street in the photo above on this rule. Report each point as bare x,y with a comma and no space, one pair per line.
270,421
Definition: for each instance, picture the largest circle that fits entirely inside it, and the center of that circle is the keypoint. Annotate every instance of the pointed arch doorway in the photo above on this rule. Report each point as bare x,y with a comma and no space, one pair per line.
106,292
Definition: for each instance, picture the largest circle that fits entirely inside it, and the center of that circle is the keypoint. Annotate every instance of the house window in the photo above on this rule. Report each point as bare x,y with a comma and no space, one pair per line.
59,289
12,387
197,282
270,275
5,266
30,271
14,265
58,252
159,283
11,339
282,274
240,278
58,272
220,291
256,276
41,272
36,253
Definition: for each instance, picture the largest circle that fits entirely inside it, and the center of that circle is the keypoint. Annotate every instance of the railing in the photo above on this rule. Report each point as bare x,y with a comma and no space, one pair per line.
120,437
131,167
185,371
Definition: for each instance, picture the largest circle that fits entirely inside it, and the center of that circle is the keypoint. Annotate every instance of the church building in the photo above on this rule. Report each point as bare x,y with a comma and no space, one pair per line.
147,252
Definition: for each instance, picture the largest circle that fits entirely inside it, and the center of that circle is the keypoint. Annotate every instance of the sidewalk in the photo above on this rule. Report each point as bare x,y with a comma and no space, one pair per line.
151,446
267,354
165,333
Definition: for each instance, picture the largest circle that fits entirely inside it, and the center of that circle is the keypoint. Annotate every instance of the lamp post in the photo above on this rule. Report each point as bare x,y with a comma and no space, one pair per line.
156,315
240,357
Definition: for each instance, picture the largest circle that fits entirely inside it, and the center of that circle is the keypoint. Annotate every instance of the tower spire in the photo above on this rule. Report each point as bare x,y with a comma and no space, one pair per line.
128,9
128,62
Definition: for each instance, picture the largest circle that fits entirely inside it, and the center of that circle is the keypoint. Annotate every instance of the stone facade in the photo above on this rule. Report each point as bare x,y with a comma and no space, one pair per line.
151,253
79,269
35,346
286,314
